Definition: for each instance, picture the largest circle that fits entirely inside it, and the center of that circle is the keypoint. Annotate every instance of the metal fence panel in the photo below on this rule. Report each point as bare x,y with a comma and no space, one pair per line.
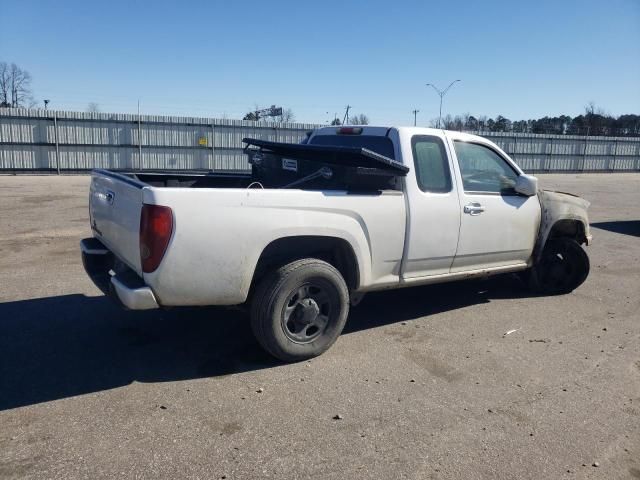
20,157
594,164
89,157
627,147
624,164
46,140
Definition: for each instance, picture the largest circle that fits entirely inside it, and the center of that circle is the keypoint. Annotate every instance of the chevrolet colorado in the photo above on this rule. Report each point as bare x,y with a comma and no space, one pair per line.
315,226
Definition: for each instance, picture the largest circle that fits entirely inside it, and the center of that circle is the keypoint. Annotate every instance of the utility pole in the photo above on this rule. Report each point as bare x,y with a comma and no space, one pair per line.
442,93
346,116
415,115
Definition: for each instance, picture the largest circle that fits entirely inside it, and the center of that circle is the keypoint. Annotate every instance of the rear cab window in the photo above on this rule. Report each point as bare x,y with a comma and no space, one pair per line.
431,164
375,143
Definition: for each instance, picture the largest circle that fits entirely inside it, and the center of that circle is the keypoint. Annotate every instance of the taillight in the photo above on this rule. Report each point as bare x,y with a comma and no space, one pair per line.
156,226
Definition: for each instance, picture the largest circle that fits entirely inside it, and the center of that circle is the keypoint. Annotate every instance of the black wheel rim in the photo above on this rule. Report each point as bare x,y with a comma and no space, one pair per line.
558,268
307,312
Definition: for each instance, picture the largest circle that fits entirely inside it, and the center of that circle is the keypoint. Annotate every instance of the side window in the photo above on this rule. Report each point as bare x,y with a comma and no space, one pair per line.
431,164
483,170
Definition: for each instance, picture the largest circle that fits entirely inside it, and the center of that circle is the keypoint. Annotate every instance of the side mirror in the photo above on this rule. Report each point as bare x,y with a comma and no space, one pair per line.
527,185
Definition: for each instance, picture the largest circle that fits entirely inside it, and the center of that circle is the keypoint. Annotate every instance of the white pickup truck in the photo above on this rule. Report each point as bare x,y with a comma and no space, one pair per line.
316,225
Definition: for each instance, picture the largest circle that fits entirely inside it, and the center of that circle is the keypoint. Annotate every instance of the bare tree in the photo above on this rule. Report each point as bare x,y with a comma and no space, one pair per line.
93,107
360,119
595,119
448,122
482,122
15,87
287,116
591,109
5,89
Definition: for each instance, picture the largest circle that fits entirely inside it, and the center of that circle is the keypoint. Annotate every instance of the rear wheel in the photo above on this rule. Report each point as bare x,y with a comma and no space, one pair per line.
299,310
562,267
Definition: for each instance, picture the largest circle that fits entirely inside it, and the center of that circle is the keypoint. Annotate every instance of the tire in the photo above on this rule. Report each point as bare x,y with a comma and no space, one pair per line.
299,310
562,267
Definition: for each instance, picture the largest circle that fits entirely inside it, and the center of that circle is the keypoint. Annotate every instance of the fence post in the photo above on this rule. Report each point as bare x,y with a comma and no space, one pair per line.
615,151
584,151
213,145
139,138
55,136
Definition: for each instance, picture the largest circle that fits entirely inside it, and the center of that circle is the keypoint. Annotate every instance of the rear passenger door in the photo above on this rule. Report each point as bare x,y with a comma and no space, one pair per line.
434,208
498,226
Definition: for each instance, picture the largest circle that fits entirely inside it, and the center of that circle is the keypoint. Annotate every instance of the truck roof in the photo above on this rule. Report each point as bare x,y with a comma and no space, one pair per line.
369,133
381,130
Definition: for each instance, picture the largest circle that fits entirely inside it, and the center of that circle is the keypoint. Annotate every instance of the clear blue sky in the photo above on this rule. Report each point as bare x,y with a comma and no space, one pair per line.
209,58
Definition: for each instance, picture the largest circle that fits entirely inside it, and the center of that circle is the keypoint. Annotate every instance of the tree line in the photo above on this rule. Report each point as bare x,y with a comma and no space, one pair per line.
594,121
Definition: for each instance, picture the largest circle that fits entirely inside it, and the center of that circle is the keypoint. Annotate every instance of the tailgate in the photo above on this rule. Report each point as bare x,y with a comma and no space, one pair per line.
115,203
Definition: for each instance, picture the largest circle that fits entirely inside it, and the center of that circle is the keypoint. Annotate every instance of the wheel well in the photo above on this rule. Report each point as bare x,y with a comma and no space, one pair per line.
568,228
333,250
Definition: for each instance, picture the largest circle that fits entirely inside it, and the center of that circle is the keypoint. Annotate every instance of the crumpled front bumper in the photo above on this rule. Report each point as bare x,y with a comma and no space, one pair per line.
121,284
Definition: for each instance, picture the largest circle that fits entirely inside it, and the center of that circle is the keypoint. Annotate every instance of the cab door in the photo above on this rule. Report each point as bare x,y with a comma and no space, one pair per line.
434,208
498,226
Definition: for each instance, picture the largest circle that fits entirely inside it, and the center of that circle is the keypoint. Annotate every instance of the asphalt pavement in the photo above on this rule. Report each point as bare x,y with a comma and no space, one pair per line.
424,382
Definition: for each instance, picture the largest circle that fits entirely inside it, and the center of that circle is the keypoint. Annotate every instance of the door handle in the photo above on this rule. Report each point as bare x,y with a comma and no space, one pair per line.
473,209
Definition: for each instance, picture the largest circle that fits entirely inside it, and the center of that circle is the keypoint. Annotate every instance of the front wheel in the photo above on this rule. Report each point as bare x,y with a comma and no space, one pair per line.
563,266
299,310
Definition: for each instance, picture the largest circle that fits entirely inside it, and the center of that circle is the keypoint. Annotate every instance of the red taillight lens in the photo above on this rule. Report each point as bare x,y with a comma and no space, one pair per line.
156,226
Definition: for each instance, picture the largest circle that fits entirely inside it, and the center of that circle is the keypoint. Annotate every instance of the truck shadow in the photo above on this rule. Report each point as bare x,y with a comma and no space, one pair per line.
625,227
58,347
393,306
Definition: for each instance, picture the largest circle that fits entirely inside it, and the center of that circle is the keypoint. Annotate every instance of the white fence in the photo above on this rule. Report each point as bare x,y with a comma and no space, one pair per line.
558,153
73,141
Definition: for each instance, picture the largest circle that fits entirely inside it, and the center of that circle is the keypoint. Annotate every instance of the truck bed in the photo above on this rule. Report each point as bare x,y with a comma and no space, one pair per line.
221,228
164,178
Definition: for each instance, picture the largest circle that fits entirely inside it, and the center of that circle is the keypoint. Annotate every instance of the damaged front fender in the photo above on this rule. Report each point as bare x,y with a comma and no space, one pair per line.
563,214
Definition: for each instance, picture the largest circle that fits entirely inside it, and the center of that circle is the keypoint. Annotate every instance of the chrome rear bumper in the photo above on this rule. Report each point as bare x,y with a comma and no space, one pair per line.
125,287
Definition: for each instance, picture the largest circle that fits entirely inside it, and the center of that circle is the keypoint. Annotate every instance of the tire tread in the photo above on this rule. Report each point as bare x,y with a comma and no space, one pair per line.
534,282
266,294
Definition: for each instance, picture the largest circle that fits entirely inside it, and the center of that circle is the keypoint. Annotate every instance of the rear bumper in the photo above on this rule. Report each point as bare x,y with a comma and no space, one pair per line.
113,278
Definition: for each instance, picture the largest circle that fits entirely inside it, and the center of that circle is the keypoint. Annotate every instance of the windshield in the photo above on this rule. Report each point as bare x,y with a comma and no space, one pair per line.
375,143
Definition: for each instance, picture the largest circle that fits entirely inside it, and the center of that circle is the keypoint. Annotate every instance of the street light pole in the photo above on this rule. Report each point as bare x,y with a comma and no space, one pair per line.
415,114
441,93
